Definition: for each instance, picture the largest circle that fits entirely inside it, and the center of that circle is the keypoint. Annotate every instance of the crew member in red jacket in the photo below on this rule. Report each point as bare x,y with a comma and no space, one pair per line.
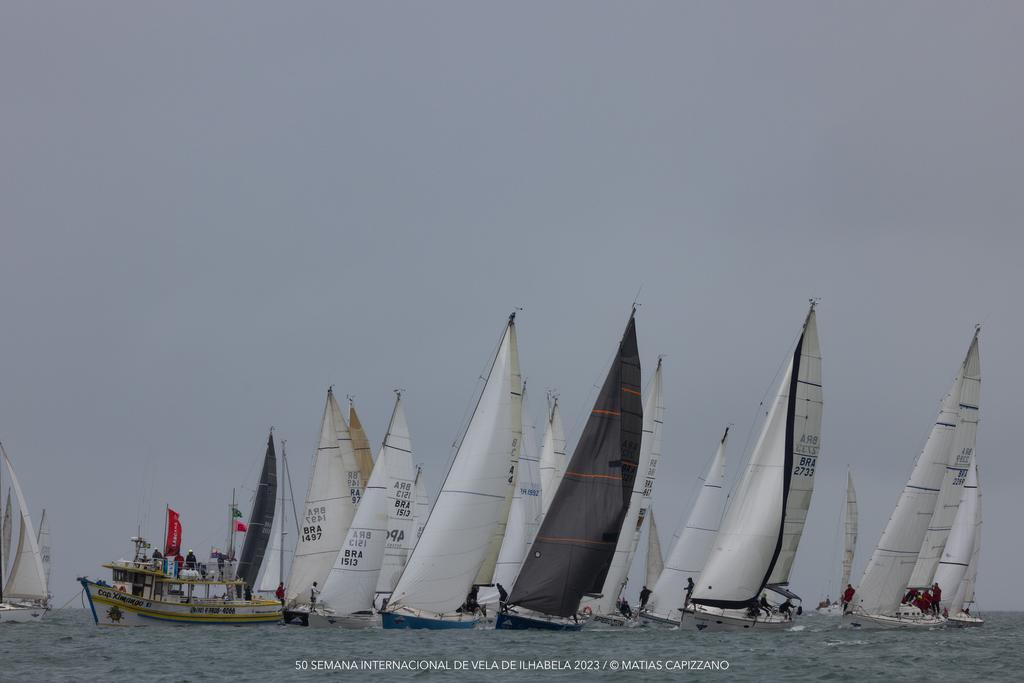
847,597
936,598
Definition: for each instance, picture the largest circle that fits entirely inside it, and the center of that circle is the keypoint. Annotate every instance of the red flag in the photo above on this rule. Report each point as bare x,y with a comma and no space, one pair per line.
240,526
173,544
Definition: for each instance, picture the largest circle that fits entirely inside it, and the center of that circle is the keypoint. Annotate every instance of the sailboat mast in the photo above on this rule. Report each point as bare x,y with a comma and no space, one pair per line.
2,558
284,470
231,527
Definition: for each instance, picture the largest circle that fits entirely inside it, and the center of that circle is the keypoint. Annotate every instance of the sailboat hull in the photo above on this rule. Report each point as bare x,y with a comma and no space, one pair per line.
110,607
830,611
651,619
964,620
715,619
394,620
350,621
519,622
882,621
10,614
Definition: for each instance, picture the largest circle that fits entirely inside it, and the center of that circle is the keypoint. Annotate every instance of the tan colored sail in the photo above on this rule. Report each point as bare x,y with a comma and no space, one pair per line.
360,444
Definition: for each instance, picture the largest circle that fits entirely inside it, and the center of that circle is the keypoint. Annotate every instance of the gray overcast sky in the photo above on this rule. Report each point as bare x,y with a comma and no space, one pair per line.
211,211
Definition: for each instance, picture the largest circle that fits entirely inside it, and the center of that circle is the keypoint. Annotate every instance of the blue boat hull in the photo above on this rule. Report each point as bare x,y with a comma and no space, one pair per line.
518,622
392,620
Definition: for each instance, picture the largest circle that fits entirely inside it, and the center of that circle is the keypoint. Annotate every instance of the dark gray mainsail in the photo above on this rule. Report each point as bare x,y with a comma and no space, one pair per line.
576,542
260,520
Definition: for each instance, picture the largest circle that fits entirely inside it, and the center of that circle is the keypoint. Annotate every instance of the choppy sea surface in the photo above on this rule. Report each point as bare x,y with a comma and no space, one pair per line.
66,646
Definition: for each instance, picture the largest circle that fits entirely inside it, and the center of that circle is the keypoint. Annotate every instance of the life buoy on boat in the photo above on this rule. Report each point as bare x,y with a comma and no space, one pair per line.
587,610
121,588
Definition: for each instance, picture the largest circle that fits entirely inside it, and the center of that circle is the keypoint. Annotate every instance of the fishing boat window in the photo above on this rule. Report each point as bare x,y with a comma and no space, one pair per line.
120,575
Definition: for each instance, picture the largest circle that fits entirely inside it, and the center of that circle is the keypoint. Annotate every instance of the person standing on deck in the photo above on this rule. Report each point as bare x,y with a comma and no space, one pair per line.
279,593
936,598
314,593
847,597
645,595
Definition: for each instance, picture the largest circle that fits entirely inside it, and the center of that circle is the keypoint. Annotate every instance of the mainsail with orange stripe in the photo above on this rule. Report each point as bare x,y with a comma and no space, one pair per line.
576,542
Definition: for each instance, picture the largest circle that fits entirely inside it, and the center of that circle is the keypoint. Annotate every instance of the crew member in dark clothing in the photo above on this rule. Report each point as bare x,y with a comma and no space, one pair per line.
645,595
625,609
502,597
763,604
190,560
787,609
689,591
248,592
157,555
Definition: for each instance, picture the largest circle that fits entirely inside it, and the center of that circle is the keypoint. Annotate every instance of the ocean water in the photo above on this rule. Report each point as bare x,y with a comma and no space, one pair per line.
66,646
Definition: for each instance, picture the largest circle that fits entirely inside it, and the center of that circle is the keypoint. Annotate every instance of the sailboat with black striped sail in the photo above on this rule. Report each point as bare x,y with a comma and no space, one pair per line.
459,547
760,533
574,547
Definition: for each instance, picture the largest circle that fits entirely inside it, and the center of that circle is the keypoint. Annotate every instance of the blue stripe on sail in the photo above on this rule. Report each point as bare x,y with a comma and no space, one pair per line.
964,405
803,381
944,424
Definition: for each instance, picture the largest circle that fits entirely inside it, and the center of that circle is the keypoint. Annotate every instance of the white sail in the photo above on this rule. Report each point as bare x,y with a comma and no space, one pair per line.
270,575
889,569
5,536
692,545
964,596
639,501
850,544
761,530
388,498
474,499
43,540
553,459
419,518
331,501
524,515
956,556
27,579
960,456
655,560
806,421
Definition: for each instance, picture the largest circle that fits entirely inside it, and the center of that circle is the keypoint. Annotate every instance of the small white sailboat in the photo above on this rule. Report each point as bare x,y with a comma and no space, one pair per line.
604,608
462,537
764,520
877,602
835,608
335,488
25,594
959,564
386,509
691,546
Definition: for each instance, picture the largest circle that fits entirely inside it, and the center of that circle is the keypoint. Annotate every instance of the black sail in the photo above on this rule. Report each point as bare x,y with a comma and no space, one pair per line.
575,544
261,520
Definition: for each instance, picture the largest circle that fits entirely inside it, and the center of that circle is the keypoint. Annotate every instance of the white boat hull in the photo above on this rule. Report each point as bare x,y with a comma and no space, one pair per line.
964,620
884,621
16,613
350,621
111,607
715,619
651,619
